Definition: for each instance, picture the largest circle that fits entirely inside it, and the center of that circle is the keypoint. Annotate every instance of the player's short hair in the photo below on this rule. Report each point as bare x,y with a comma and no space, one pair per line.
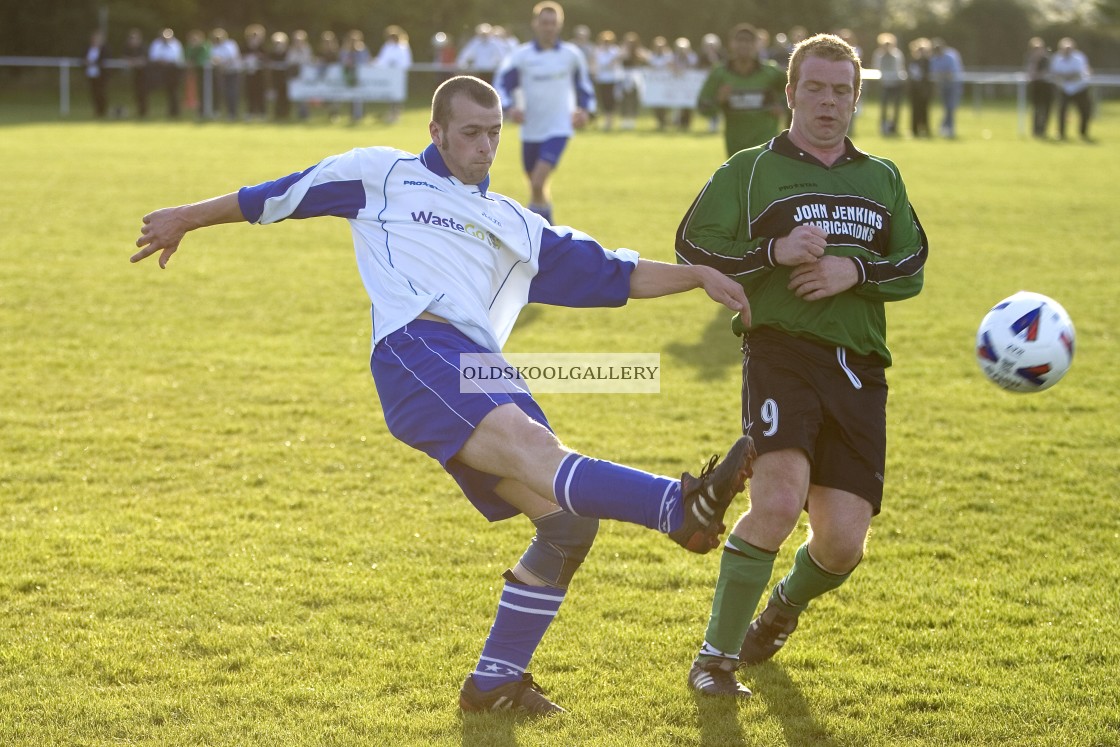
743,29
476,89
549,5
827,47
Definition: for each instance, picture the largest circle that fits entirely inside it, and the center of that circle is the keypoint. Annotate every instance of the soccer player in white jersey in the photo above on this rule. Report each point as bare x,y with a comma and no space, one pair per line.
448,265
556,97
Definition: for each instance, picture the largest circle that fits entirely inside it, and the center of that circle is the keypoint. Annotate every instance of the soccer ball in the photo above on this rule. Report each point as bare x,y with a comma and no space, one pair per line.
1025,343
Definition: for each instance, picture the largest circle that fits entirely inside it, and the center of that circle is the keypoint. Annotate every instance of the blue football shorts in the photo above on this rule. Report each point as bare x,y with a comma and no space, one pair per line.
416,370
548,151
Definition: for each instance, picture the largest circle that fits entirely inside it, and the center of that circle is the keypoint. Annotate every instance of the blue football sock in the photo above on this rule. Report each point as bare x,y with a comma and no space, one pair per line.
544,211
605,490
524,614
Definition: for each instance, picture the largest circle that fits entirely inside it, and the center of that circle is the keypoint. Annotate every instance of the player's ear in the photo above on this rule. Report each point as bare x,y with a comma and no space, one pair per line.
436,133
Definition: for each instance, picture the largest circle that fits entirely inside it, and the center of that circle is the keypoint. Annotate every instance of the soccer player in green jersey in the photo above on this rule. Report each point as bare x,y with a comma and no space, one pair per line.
821,235
747,90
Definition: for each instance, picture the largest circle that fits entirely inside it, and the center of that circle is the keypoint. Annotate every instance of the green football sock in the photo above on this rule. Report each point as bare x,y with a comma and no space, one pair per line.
805,582
744,572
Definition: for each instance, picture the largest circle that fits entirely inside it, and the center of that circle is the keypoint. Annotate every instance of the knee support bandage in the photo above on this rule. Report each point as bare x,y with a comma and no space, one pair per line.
559,547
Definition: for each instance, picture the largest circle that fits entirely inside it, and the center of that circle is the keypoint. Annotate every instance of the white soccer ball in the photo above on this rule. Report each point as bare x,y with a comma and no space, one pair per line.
1025,343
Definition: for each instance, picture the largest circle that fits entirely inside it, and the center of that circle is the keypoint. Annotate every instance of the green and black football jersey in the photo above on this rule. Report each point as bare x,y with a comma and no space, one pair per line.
763,193
749,113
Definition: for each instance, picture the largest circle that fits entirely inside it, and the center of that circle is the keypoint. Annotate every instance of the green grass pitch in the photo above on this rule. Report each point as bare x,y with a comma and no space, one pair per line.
207,536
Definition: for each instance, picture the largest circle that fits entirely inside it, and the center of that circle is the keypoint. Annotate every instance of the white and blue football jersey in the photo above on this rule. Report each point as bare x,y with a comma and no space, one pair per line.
426,241
552,82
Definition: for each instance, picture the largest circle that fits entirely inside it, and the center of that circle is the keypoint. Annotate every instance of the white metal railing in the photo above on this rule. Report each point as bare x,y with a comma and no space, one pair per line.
65,64
978,79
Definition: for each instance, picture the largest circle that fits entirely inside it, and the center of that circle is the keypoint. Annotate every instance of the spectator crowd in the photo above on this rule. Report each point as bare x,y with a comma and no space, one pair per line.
246,75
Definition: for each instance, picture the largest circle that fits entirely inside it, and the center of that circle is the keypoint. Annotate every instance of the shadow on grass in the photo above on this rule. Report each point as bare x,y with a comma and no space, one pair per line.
718,717
713,352
788,706
719,721
489,729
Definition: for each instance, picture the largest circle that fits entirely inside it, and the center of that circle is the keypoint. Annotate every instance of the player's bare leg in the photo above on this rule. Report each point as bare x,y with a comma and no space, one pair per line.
532,594
778,489
540,197
563,493
509,444
839,522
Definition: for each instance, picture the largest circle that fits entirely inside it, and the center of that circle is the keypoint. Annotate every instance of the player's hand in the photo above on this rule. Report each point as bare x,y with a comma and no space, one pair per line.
723,93
579,118
726,291
517,115
823,278
162,231
804,244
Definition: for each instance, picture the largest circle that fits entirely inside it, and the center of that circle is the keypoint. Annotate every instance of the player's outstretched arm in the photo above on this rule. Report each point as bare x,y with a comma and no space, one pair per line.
653,279
163,229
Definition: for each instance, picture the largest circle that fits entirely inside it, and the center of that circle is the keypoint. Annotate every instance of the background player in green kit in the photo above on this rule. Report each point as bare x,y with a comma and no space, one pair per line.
747,90
821,235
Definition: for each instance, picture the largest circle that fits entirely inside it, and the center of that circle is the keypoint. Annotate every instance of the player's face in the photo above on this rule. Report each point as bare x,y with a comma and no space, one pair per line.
547,28
469,142
823,102
743,47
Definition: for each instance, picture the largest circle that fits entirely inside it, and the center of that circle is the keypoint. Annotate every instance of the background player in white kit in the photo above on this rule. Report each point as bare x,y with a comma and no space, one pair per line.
557,96
448,266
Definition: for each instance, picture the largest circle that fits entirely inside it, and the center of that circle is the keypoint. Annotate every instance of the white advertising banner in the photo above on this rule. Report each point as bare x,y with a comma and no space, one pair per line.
364,83
669,89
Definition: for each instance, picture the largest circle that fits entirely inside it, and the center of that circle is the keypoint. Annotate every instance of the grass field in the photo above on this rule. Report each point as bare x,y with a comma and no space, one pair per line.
207,536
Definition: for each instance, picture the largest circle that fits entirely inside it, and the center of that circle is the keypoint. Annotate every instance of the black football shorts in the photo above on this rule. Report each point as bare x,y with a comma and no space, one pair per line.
822,399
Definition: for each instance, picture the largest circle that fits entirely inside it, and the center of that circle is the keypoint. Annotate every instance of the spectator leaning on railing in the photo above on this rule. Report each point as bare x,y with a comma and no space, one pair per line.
634,57
278,74
920,86
167,62
96,73
1070,69
891,64
136,55
482,54
300,57
945,68
197,53
607,72
225,55
1040,91
254,62
395,52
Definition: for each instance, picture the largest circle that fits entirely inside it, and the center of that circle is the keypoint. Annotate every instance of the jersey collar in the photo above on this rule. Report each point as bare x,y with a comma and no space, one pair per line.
540,48
434,162
783,146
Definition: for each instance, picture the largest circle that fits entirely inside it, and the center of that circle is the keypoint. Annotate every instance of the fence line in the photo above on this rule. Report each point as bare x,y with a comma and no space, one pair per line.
978,79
